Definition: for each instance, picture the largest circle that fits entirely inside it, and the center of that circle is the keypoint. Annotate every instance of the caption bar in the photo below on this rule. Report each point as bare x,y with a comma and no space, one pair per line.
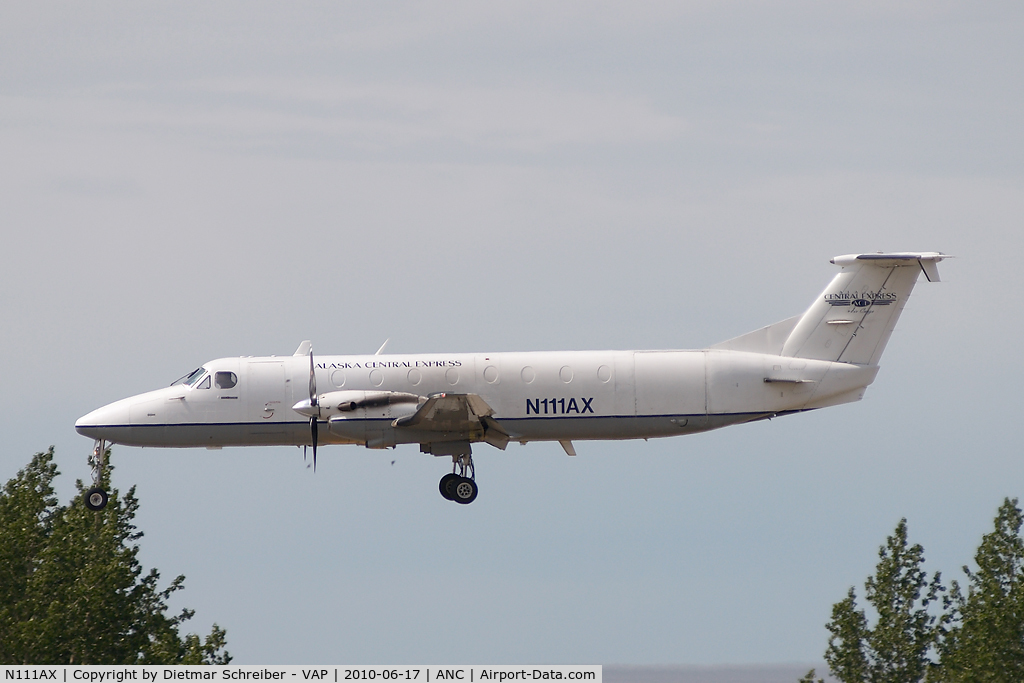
313,674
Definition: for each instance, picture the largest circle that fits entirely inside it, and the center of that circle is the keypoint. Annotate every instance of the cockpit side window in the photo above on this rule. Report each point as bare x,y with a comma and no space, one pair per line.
191,378
226,380
205,384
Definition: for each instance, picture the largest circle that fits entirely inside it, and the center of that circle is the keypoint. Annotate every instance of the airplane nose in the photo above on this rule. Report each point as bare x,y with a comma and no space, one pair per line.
103,422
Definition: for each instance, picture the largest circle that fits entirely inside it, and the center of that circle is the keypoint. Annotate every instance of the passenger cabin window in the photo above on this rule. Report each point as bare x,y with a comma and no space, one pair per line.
226,380
205,384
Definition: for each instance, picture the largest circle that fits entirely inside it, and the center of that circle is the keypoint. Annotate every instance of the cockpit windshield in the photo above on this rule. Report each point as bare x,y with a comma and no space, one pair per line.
191,378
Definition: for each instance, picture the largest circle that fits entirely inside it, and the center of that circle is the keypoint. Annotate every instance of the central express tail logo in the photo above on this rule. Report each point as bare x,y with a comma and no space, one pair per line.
861,299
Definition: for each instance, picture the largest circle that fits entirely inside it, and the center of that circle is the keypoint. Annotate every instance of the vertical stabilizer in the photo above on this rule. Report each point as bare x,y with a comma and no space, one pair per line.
851,321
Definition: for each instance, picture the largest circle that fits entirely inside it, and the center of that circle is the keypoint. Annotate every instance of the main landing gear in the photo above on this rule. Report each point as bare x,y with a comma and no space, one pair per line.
96,497
458,486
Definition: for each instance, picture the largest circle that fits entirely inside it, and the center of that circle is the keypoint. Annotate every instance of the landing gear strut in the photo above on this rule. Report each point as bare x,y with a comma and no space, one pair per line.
96,497
458,486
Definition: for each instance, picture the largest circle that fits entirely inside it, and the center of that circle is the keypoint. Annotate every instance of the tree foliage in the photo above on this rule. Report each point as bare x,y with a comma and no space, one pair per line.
72,590
899,647
986,639
976,637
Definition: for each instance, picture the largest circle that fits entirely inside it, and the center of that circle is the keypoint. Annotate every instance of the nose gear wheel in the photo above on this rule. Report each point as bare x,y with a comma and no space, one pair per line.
95,499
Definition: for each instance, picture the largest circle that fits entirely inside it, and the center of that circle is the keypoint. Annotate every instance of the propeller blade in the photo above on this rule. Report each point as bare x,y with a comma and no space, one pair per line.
314,433
312,379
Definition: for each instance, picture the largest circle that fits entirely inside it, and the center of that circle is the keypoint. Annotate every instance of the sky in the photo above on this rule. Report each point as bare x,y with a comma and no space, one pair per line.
188,181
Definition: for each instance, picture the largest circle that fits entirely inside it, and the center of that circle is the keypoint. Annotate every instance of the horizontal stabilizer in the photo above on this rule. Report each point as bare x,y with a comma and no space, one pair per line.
927,260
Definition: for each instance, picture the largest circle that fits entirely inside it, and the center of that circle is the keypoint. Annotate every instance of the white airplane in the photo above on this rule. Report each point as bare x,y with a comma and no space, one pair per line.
446,402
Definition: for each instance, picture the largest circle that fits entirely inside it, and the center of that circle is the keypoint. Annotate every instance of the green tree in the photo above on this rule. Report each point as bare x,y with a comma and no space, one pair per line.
985,641
72,588
900,645
27,506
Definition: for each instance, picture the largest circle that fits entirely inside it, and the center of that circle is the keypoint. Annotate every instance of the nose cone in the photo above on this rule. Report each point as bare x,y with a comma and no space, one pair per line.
104,422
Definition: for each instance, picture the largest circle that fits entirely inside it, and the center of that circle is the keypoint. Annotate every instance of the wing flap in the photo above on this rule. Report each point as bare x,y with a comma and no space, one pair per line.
466,415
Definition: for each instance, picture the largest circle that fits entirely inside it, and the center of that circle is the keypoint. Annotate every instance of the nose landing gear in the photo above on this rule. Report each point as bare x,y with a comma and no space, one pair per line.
459,487
96,497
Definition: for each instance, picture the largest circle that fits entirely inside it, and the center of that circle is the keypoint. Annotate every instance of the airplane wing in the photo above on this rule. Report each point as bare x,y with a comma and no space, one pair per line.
463,414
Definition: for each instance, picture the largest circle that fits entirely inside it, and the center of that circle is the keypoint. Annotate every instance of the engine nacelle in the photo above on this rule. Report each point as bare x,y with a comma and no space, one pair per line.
344,403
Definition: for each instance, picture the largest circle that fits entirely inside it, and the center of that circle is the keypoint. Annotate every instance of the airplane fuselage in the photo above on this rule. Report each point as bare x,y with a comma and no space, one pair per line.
446,402
535,396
